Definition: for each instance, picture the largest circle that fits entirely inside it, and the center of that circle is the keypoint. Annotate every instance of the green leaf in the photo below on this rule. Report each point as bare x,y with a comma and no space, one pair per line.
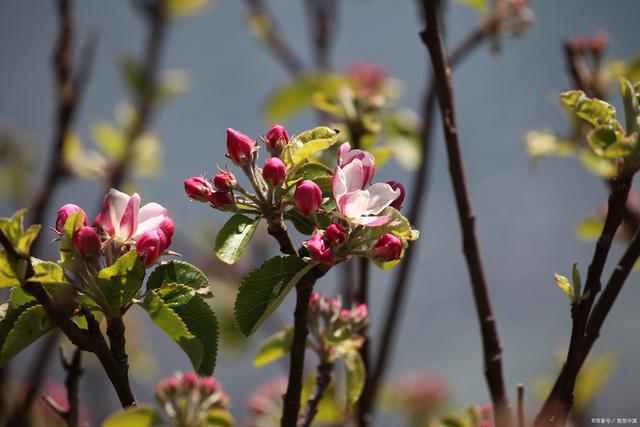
274,347
630,103
234,236
602,167
143,416
186,318
23,326
8,276
313,171
177,272
303,224
564,284
595,111
355,375
48,273
264,289
69,260
545,143
296,96
304,145
611,143
182,8
12,227
120,282
590,228
107,137
398,225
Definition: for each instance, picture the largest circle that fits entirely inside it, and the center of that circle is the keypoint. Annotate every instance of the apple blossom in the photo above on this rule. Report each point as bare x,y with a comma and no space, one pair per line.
274,171
336,234
308,197
151,245
397,203
276,139
65,212
320,249
224,181
221,199
86,241
197,188
388,248
240,147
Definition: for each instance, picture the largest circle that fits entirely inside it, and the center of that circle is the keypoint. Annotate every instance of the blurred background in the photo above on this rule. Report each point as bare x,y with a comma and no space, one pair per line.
526,213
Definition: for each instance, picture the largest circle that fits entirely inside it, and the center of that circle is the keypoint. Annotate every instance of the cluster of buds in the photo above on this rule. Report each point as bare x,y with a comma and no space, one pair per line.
120,225
594,45
330,322
223,192
265,405
187,398
510,17
421,395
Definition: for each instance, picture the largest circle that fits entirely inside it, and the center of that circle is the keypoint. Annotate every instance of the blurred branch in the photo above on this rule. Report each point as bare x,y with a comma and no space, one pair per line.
269,29
520,405
322,382
73,368
432,38
157,15
322,16
70,87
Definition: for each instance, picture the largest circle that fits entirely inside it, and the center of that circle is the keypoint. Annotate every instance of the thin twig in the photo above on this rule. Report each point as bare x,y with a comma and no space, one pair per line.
322,382
520,405
321,17
432,38
274,40
73,368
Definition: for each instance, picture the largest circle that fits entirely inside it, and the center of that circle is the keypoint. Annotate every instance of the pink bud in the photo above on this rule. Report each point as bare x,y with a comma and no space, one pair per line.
190,380
222,200
86,241
334,303
65,212
319,250
361,311
169,385
277,138
208,385
388,248
308,197
345,316
197,188
224,181
395,185
150,245
336,234
314,299
240,147
274,171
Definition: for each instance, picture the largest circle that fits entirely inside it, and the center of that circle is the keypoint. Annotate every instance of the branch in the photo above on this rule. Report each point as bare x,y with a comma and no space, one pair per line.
73,368
275,41
157,15
362,297
321,16
490,340
322,382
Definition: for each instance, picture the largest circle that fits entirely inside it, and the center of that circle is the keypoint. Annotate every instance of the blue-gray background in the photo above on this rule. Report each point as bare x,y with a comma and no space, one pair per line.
526,215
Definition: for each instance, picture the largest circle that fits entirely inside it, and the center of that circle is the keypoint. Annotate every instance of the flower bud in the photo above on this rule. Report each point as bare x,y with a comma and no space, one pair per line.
277,138
168,228
65,212
274,171
86,241
197,188
361,312
224,181
222,200
345,316
397,203
208,385
314,299
240,147
319,250
190,380
308,197
387,248
336,234
150,245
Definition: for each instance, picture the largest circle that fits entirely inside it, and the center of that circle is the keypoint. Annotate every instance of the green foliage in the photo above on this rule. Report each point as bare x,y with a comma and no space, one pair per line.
234,236
219,418
545,143
274,347
186,318
143,416
302,223
264,289
69,260
477,5
177,272
13,269
182,8
22,322
590,228
313,171
120,282
301,147
355,374
47,273
573,290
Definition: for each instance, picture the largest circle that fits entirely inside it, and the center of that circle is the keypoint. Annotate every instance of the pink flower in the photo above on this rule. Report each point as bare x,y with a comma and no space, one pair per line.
308,197
87,242
358,201
224,181
366,74
336,234
277,138
360,312
274,171
151,245
123,219
197,188
240,147
222,200
387,248
315,299
397,203
319,249
65,212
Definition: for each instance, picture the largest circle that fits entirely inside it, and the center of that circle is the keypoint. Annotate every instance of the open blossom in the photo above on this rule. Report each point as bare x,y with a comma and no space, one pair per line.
123,219
240,147
65,212
360,202
320,249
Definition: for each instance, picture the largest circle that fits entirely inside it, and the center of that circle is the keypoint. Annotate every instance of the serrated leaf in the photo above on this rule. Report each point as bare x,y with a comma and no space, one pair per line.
355,375
264,289
120,282
187,319
177,272
274,347
234,236
47,273
12,227
143,416
564,284
595,111
306,144
30,324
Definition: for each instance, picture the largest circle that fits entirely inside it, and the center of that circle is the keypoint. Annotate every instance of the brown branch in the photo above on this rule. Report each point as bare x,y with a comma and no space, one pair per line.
432,38
520,405
321,17
73,368
275,41
156,13
322,382
362,297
